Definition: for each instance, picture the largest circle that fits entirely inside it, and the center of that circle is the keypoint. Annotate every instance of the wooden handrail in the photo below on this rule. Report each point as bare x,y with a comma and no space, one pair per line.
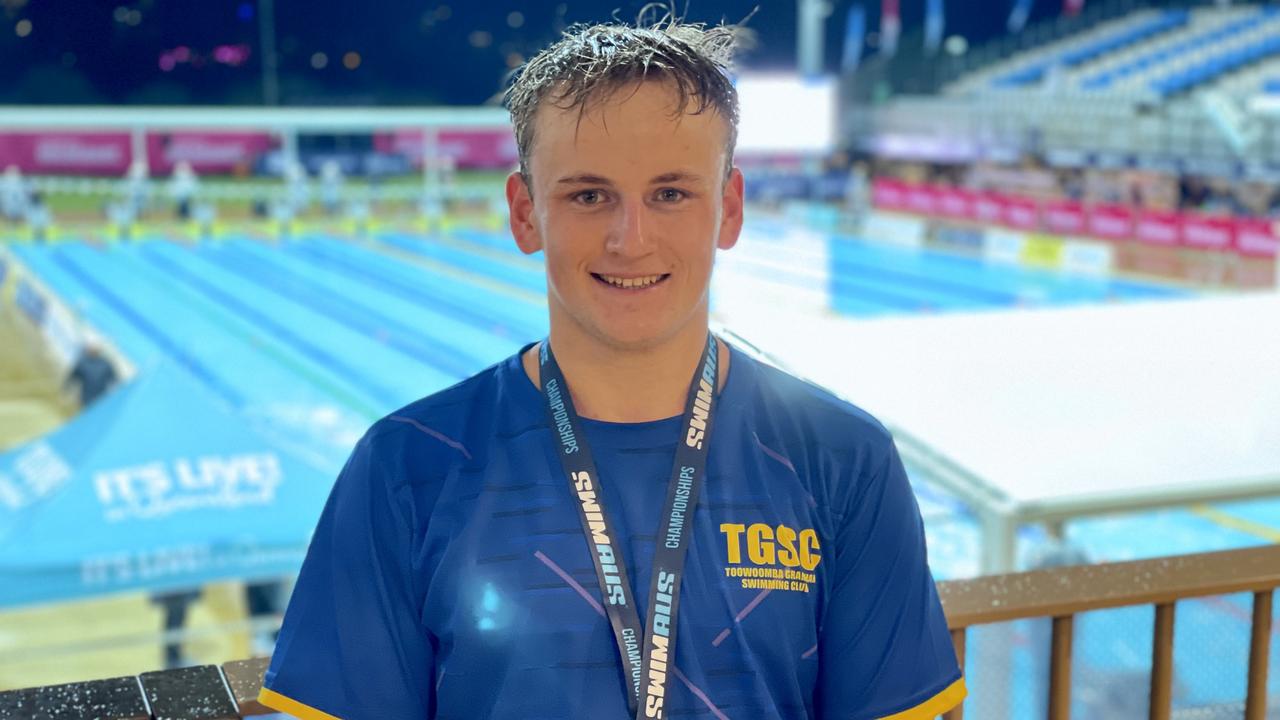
1071,590
1060,594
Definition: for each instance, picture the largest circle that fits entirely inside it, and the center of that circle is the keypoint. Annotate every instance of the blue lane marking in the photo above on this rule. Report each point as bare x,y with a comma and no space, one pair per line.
357,264
368,321
382,393
158,336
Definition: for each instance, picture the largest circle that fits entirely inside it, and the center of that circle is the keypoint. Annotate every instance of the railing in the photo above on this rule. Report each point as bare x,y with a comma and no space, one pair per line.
1063,593
229,691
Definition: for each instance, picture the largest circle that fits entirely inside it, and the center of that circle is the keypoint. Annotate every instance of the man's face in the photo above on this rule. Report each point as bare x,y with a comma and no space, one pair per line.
629,206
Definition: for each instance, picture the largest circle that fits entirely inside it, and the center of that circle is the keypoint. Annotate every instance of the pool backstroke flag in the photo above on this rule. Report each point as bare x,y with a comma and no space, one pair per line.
855,30
890,26
935,23
1019,15
158,485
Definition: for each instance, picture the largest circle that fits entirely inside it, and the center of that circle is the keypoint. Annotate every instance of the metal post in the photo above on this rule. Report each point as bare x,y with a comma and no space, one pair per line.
811,16
267,43
289,146
999,540
999,533
431,188
138,147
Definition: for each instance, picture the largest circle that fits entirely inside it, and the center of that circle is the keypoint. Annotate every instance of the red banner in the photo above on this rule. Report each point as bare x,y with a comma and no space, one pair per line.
1252,237
922,199
1258,237
1153,227
1111,222
1020,213
60,153
1208,232
988,208
206,151
487,148
889,194
1065,217
958,204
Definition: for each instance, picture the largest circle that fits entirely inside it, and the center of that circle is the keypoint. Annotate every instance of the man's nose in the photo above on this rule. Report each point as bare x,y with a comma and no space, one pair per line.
627,236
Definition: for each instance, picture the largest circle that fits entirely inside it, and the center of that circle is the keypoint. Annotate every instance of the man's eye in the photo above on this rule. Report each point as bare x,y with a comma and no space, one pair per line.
590,197
671,195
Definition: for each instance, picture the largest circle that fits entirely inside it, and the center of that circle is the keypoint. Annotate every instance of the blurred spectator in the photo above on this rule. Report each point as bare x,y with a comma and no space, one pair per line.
93,372
137,188
175,606
297,187
331,182
182,188
265,600
38,217
15,194
857,196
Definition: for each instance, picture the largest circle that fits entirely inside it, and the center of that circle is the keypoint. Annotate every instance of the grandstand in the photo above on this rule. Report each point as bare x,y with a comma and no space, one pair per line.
1155,87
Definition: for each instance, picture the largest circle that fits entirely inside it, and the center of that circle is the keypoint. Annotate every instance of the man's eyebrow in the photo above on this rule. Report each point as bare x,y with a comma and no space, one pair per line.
583,179
667,177
676,176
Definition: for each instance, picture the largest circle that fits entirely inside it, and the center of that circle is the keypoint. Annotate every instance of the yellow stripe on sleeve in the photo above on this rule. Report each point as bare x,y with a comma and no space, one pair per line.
934,706
276,701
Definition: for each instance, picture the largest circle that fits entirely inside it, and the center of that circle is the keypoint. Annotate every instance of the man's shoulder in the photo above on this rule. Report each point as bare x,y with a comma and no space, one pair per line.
808,413
449,422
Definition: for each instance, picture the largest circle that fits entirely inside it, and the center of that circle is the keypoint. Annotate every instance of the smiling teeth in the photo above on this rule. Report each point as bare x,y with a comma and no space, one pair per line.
640,282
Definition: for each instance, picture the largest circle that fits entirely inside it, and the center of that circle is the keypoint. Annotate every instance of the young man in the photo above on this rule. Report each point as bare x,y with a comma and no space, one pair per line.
630,519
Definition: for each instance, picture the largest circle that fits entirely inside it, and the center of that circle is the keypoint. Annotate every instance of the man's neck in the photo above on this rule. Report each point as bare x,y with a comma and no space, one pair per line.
628,386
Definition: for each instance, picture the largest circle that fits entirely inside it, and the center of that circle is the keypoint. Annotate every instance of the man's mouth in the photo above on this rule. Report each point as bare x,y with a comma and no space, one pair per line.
631,283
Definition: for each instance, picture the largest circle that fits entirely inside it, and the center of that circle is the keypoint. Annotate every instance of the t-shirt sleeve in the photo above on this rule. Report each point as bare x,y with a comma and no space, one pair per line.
884,647
352,645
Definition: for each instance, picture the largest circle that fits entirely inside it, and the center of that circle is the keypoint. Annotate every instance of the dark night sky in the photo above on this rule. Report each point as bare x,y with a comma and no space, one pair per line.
437,51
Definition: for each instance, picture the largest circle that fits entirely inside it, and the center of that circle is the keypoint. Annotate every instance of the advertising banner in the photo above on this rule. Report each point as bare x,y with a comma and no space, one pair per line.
1111,222
889,195
124,497
1257,237
956,204
1207,232
1065,217
206,152
62,153
1042,251
1020,213
491,149
1153,227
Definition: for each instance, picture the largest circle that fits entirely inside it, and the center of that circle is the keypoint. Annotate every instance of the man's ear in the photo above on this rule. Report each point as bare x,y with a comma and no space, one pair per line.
520,211
731,211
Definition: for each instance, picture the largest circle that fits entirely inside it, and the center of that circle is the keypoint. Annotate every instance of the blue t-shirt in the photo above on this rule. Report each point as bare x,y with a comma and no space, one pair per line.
449,577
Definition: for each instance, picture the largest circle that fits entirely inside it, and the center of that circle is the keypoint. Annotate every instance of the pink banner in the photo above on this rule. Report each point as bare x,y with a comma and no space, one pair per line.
1154,227
988,208
61,153
922,199
955,203
1111,222
206,151
1065,217
1249,236
490,149
1020,213
889,194
1208,232
1258,237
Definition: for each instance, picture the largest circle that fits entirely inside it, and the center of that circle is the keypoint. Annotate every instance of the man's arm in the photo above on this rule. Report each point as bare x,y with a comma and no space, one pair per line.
885,651
352,645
